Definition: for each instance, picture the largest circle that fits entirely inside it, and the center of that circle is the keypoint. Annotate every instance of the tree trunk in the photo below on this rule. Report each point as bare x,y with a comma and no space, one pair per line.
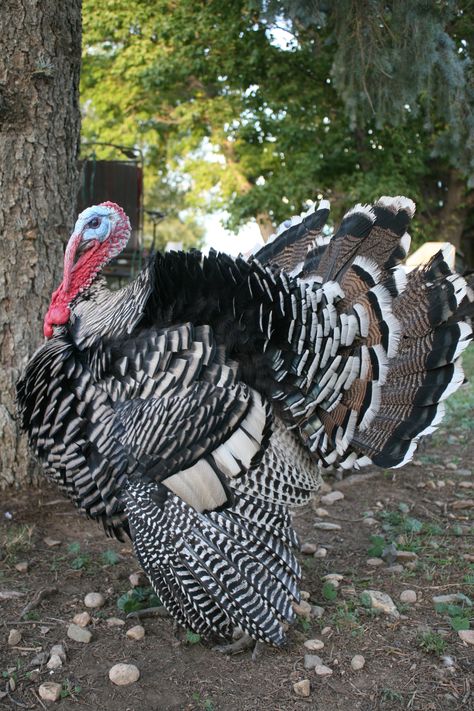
264,221
455,210
40,50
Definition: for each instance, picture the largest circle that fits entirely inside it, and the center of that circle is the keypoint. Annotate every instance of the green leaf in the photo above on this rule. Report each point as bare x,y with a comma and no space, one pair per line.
329,592
460,623
377,547
110,557
192,637
74,548
412,525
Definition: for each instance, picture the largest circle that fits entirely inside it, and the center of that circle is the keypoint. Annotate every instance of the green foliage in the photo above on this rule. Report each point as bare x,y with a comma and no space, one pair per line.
329,592
230,118
110,557
138,599
432,642
192,637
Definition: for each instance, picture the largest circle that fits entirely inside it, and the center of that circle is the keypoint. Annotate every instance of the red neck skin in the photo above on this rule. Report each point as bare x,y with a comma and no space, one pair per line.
79,276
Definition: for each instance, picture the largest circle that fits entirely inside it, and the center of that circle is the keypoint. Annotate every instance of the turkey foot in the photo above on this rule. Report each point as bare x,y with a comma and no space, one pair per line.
240,645
159,611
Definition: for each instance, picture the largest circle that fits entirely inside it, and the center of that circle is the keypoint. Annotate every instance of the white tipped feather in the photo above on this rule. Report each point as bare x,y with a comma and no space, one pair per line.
396,203
324,205
464,339
368,265
401,279
405,242
359,209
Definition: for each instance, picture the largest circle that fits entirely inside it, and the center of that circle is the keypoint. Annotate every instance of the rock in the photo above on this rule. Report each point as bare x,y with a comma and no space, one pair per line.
14,638
137,632
10,594
403,556
467,636
79,634
94,600
314,645
326,526
124,674
462,484
333,578
453,597
452,466
82,619
394,569
54,662
39,659
325,488
311,661
408,596
114,622
51,543
138,580
326,630
303,609
379,601
374,562
321,553
308,548
357,662
440,483
463,504
22,567
322,513
369,521
59,650
50,691
323,670
469,557
331,498
317,611
302,688
464,472
304,594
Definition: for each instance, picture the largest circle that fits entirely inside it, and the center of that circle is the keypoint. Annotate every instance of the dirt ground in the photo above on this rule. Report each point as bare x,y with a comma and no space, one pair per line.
417,662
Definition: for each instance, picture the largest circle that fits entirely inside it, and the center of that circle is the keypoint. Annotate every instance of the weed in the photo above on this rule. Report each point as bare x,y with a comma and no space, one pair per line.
110,557
205,704
16,539
329,592
391,695
138,599
432,642
192,637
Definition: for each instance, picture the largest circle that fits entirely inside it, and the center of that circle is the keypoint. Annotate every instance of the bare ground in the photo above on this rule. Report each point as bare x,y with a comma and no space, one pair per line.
416,662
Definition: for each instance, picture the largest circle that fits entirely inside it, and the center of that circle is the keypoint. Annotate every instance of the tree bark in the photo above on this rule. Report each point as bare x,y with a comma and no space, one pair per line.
40,54
455,210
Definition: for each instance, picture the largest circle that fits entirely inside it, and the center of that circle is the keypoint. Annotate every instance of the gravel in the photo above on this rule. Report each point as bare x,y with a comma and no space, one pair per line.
94,600
326,526
79,634
136,633
302,688
332,497
357,662
379,601
408,596
14,638
314,645
50,691
82,619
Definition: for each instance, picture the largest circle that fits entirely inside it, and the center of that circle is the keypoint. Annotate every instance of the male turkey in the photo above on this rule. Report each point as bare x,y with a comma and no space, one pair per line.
191,408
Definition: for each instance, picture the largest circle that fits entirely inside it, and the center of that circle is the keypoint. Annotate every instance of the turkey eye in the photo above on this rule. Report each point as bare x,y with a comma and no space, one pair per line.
95,222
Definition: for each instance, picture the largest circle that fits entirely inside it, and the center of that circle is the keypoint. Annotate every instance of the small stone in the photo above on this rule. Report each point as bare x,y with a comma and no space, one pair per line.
431,484
467,636
114,622
79,634
326,526
469,557
82,619
311,661
325,488
464,472
374,562
59,650
463,504
138,580
50,691
408,596
331,498
406,555
321,553
124,674
94,600
14,638
369,521
379,601
322,513
317,611
357,662
302,688
393,569
39,659
462,484
452,466
54,662
303,609
326,630
333,578
51,543
308,548
136,633
22,567
323,670
304,594
440,483
452,598
314,645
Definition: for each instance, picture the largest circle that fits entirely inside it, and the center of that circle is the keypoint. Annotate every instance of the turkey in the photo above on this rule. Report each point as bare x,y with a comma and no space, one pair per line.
194,407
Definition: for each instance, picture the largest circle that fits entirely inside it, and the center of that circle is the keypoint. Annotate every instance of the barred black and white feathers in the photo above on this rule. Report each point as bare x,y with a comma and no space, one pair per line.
193,407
